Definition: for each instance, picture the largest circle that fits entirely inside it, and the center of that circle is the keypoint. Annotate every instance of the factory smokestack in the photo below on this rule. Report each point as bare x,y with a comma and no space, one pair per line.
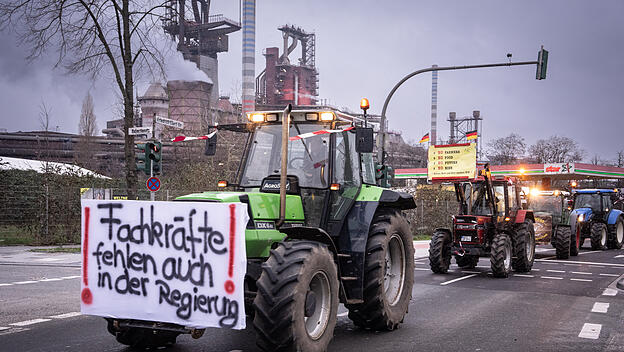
433,136
249,56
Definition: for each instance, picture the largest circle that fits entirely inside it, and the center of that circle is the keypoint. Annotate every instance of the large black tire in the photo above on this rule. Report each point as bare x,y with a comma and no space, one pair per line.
440,251
561,242
575,241
523,247
388,274
467,261
141,339
297,299
501,255
599,236
616,235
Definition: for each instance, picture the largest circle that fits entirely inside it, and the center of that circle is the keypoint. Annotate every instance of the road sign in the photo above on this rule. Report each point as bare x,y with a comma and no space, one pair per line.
133,131
169,122
153,184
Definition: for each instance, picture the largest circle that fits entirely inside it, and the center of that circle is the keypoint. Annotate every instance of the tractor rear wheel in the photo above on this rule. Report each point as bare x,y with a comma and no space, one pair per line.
467,261
598,236
297,299
523,247
500,257
561,240
388,274
616,237
575,241
440,251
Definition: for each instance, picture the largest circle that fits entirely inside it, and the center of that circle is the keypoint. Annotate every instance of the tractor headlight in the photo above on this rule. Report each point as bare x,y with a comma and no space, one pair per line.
580,218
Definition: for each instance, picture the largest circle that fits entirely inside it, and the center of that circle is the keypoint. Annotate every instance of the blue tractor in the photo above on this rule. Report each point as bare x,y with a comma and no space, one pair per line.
594,217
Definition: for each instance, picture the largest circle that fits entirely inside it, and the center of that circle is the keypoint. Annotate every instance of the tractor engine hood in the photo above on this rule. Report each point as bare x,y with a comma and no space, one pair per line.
586,212
262,206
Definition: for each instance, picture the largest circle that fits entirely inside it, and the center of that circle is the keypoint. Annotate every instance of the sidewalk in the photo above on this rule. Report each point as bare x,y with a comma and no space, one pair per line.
421,249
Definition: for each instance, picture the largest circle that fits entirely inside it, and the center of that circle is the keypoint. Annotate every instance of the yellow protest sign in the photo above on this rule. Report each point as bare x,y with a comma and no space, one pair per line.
454,161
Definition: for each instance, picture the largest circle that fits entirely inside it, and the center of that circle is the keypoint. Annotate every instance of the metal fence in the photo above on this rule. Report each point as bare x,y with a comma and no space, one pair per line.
51,214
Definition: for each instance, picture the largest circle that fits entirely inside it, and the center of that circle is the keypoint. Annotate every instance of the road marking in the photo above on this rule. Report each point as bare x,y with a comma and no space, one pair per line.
596,266
458,279
343,314
24,282
535,269
581,272
555,271
550,263
52,279
613,275
73,314
619,256
423,269
609,292
551,277
4,328
577,262
590,331
470,272
70,277
30,322
1,285
589,252
523,275
582,280
600,307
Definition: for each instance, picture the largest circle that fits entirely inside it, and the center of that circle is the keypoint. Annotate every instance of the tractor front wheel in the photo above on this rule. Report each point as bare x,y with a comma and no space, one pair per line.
617,235
561,239
297,299
575,241
523,247
598,236
440,251
388,274
500,257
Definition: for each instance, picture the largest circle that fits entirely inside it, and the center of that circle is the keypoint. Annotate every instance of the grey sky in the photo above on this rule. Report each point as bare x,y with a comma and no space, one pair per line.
365,47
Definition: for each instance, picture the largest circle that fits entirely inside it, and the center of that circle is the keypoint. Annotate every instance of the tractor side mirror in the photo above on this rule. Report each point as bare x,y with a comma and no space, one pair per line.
211,146
364,140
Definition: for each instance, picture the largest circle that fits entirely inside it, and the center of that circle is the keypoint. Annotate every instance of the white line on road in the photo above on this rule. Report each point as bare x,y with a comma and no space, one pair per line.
4,328
589,252
535,269
609,292
590,331
343,314
24,282
1,285
423,269
612,275
30,322
458,279
576,262
619,256
69,315
551,277
581,272
582,280
550,263
51,279
600,307
470,272
523,275
596,266
556,271
70,277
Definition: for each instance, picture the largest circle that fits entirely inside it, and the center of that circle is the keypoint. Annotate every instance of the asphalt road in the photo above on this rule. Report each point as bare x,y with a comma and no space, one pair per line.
559,306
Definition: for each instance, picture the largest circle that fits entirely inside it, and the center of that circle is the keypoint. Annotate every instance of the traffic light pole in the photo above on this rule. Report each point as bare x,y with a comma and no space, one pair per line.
152,195
381,156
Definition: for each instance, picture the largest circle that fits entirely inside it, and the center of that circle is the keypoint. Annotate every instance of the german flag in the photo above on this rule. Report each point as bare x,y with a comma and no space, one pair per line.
471,135
424,139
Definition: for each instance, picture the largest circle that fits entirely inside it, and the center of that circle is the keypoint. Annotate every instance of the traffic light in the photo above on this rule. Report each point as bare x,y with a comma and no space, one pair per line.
153,153
143,162
542,61
384,174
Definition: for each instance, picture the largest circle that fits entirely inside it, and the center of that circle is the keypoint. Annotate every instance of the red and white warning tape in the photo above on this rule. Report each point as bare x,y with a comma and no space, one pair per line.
184,138
316,133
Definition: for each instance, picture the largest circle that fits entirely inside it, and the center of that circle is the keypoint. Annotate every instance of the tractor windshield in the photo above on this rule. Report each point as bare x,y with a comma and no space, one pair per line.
307,158
477,199
546,203
587,200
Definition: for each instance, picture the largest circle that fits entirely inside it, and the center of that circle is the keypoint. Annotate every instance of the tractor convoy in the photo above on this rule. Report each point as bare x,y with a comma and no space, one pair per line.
324,228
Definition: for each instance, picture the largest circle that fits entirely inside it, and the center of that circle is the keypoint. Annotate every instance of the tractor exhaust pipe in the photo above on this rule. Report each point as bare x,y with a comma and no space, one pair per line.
284,170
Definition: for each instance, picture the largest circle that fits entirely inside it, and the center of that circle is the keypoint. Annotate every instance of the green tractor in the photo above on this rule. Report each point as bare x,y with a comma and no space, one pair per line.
320,232
552,220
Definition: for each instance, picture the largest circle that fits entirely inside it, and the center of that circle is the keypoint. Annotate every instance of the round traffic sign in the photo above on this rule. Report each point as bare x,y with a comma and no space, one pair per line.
153,184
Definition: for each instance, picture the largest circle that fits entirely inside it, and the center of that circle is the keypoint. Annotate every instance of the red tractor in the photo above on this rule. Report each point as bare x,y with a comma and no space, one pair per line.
491,223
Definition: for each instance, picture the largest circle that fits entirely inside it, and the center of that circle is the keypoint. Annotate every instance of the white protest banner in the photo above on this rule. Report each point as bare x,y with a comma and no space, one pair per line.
176,262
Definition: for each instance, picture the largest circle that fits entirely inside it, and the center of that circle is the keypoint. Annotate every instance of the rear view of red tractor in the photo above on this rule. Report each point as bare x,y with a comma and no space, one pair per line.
491,223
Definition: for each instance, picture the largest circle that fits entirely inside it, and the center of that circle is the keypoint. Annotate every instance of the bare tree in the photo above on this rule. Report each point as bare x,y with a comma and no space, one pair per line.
94,36
88,125
556,149
619,160
506,150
